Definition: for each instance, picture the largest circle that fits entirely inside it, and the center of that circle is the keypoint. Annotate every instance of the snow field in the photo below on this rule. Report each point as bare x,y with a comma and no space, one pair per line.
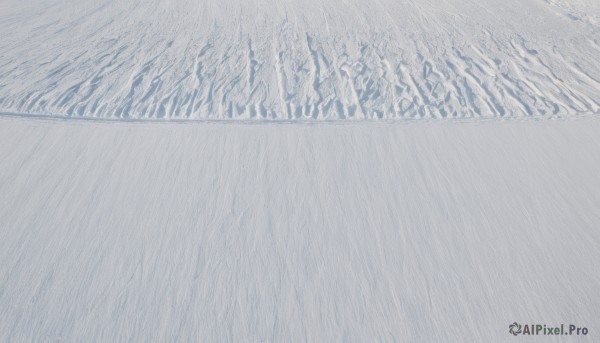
424,231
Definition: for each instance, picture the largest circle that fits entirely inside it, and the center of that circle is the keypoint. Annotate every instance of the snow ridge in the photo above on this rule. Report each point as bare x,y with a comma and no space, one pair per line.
194,60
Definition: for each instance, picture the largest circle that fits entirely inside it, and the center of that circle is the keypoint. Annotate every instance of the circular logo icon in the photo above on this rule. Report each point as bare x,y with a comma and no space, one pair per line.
514,328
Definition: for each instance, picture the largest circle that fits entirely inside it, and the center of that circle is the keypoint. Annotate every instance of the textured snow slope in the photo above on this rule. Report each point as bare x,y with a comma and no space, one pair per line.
420,232
308,59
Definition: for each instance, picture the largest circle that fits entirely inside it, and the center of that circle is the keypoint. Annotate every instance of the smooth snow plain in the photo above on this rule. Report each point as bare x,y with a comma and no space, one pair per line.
418,232
302,170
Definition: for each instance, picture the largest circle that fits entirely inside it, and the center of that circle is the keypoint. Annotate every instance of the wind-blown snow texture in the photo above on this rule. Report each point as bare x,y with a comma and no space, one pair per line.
261,230
421,232
300,59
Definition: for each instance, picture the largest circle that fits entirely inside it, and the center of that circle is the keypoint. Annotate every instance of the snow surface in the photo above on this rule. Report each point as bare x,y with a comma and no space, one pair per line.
203,170
419,232
300,59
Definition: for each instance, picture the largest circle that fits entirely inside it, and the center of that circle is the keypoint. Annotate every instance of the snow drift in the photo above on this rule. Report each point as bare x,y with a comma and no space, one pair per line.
309,59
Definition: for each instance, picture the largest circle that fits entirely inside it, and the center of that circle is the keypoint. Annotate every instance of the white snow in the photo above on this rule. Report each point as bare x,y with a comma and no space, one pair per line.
226,232
298,170
300,59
